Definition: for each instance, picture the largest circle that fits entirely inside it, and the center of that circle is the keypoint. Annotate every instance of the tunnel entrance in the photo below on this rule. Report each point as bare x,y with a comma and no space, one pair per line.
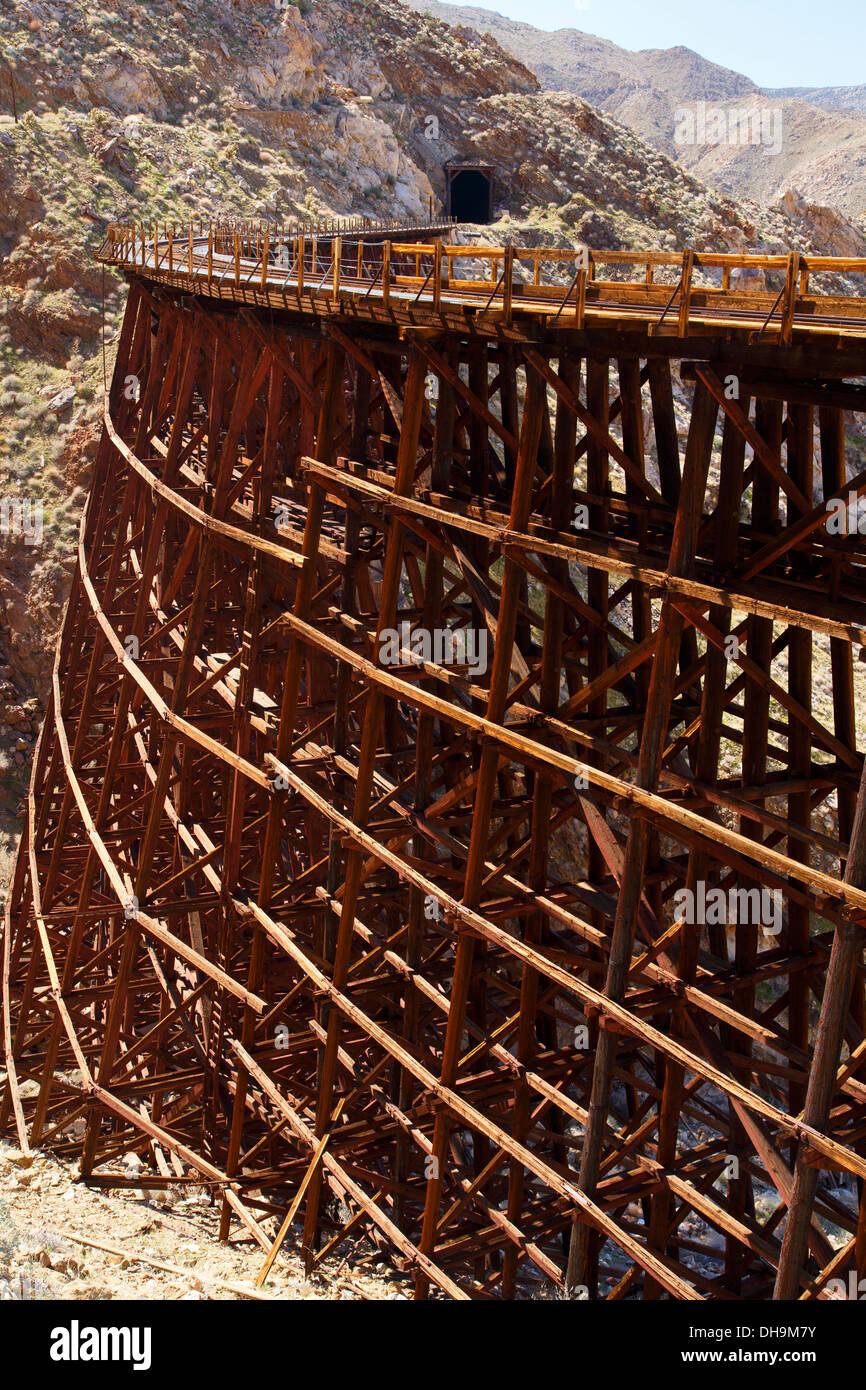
469,192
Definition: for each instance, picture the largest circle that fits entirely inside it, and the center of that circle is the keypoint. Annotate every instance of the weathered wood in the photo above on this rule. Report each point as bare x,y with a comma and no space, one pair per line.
413,700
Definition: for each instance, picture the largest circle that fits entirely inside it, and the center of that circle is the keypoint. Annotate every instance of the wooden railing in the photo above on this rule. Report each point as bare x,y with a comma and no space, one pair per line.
417,262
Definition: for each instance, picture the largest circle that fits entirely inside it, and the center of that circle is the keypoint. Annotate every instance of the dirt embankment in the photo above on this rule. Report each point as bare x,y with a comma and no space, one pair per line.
61,1240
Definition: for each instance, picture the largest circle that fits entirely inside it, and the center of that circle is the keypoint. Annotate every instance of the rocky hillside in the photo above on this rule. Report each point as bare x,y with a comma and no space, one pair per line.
206,106
595,68
831,98
817,136
60,1240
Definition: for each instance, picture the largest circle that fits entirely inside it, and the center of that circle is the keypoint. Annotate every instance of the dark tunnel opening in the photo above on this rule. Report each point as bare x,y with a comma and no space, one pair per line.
470,196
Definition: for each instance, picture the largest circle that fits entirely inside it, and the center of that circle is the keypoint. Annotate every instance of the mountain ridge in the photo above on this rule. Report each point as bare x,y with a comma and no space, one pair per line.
822,148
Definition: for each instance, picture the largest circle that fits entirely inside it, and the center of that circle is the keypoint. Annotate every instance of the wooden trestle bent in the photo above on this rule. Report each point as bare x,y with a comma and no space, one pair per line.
436,831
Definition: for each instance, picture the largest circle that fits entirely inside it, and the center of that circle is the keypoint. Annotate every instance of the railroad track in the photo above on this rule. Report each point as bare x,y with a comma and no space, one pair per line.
409,272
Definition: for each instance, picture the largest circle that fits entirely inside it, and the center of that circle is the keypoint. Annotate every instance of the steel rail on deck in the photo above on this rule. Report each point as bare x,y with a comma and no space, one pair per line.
354,264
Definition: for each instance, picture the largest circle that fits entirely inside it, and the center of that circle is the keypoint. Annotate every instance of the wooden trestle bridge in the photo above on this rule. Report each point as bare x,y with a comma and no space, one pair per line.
430,650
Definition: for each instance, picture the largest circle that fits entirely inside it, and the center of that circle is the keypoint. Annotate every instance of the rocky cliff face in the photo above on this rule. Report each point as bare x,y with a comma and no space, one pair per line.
830,98
162,110
817,149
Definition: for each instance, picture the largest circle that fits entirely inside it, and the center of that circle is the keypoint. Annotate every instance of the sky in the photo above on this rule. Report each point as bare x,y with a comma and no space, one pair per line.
777,43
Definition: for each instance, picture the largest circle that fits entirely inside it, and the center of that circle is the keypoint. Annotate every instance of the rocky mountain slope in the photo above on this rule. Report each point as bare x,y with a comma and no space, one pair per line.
831,98
817,137
203,106
593,67
60,1240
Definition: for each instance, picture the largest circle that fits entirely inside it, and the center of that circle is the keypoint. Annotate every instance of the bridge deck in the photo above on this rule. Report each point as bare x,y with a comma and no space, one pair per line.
333,273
